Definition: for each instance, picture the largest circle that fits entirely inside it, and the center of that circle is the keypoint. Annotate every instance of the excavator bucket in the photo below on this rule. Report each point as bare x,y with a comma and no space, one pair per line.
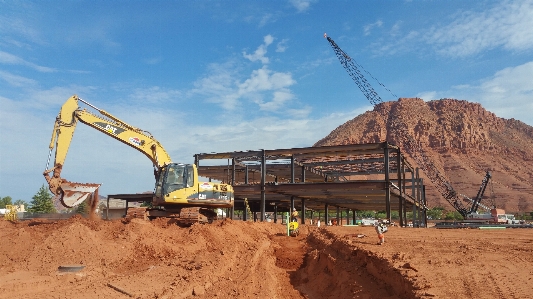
75,193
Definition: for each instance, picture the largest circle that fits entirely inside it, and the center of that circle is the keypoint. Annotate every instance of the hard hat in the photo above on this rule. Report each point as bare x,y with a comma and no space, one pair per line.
294,209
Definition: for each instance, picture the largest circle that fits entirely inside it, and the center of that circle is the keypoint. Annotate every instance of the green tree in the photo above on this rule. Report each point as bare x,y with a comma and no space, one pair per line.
5,201
147,204
83,208
380,215
453,216
366,214
42,202
19,202
435,213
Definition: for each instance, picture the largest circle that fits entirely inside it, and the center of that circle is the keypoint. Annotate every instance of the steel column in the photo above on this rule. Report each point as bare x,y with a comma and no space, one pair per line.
303,211
326,214
414,181
347,216
233,171
401,207
418,197
425,204
387,182
263,182
292,169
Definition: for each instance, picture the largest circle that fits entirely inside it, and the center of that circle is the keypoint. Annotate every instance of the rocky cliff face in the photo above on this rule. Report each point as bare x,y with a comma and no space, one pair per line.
463,140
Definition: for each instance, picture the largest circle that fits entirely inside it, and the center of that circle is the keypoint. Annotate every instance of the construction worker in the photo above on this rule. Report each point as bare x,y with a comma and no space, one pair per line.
381,229
294,215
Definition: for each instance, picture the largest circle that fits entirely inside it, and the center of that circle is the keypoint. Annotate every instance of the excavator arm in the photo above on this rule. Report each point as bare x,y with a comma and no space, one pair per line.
71,194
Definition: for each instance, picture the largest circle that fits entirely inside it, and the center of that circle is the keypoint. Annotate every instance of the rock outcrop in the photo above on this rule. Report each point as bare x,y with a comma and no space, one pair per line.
463,140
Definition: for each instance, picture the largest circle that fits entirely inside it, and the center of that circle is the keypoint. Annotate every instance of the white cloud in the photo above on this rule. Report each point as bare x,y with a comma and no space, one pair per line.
282,45
506,25
154,94
219,85
7,58
268,89
301,5
54,97
427,95
265,79
395,30
267,18
15,80
16,24
368,28
223,87
261,51
266,133
508,93
279,99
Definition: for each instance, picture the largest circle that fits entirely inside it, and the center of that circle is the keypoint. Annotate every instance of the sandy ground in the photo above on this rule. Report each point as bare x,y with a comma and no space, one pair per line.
235,259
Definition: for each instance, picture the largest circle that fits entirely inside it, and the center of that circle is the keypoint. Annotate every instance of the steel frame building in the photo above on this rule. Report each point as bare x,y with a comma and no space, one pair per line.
357,177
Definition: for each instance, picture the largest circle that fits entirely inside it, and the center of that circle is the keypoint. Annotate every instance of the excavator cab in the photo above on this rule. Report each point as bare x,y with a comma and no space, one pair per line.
178,184
174,177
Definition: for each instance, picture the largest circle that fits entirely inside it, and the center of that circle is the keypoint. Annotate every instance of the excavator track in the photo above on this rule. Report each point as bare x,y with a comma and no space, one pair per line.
189,216
184,216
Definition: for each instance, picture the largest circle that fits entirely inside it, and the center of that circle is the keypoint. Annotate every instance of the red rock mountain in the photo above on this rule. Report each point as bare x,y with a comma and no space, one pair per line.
463,140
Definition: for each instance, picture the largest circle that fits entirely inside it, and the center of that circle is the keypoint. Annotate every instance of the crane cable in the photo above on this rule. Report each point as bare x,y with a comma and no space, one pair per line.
398,126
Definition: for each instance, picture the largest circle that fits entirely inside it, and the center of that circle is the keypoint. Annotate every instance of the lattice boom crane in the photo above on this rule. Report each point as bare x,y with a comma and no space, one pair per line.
400,129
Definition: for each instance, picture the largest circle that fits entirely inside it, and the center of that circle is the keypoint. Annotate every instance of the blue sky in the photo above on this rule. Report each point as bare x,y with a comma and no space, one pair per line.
214,76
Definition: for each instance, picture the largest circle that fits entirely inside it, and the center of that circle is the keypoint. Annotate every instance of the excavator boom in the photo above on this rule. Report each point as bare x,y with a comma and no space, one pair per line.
71,193
178,191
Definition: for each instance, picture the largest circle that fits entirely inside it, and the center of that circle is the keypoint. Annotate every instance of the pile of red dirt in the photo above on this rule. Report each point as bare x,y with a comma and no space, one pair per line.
462,139
236,259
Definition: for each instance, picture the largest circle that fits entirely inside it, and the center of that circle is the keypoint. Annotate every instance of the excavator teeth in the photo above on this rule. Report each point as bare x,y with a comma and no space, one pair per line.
76,193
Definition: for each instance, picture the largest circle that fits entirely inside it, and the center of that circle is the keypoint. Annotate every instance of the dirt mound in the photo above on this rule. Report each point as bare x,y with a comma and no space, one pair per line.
231,259
235,259
463,140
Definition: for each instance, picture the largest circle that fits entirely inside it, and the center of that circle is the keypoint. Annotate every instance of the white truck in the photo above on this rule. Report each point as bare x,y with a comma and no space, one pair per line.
369,222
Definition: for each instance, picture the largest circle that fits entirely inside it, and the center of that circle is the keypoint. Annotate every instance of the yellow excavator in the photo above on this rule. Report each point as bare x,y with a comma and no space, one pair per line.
178,192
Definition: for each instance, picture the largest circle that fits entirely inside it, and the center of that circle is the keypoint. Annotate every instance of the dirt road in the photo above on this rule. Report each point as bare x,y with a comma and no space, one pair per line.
235,259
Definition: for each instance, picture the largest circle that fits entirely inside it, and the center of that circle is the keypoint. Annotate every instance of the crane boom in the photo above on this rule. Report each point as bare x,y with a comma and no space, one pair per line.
399,128
479,196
